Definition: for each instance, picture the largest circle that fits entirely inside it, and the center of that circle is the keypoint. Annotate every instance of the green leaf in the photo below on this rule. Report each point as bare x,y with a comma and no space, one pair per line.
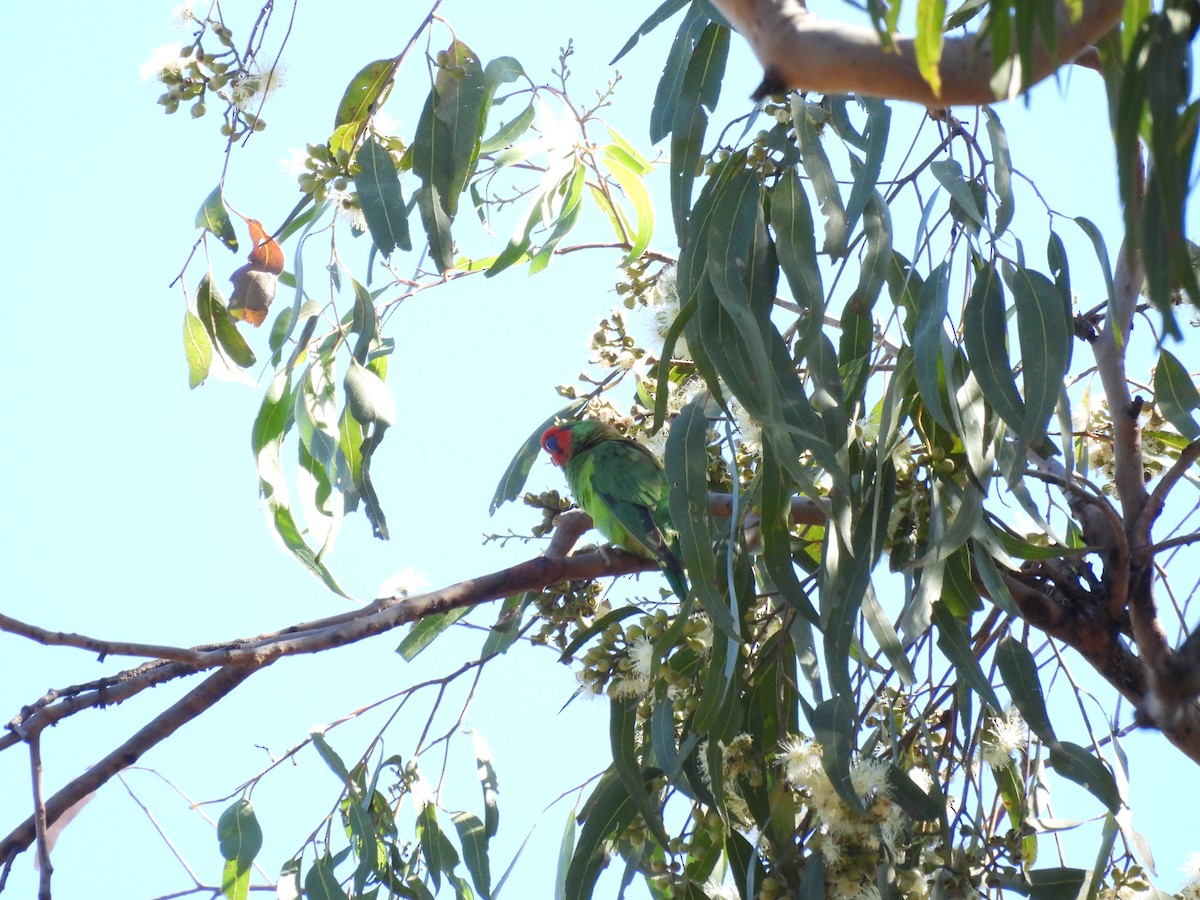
820,173
197,348
321,883
1001,172
792,222
623,735
425,630
271,424
382,202
1019,672
446,143
512,482
670,85
950,174
985,338
929,342
330,756
922,806
1175,394
776,535
1080,766
566,850
955,642
508,134
213,217
475,851
436,223
656,18
366,92
1097,240
866,176
571,191
1046,333
701,89
931,14
488,782
1059,884
440,855
368,397
833,728
615,161
686,463
609,811
240,838
210,307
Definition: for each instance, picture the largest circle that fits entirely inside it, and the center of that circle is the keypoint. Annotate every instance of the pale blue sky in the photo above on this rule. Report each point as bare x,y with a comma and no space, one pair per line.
132,501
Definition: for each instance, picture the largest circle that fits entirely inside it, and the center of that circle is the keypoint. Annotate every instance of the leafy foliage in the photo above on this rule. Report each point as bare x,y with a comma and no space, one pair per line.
808,721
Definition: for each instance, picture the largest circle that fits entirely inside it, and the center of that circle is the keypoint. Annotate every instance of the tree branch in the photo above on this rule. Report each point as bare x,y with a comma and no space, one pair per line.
800,50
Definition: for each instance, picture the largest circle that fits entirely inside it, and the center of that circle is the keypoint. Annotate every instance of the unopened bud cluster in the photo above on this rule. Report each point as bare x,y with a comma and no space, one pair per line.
192,73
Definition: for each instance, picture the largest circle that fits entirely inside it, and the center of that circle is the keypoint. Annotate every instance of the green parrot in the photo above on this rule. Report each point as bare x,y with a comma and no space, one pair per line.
622,486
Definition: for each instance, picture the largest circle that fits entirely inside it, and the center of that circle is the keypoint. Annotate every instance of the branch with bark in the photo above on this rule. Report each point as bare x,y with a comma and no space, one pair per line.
237,660
800,50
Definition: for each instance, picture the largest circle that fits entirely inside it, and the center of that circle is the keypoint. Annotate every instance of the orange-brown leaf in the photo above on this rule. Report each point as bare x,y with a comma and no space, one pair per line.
267,254
253,291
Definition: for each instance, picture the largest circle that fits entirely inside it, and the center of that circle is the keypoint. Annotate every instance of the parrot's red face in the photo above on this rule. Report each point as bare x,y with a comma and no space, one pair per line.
556,441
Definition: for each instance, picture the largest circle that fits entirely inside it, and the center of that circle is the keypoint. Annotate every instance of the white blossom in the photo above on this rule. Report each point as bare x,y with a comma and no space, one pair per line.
641,654
1003,736
800,760
162,61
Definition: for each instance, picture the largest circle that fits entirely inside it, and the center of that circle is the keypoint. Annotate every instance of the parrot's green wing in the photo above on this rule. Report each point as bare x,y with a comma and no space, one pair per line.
630,488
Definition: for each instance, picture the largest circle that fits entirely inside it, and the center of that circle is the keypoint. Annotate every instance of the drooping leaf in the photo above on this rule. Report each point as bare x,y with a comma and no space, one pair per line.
474,844
426,630
985,337
321,882
666,95
217,321
792,222
197,349
609,811
382,202
1001,172
950,173
617,163
931,14
240,838
833,728
954,641
929,342
512,482
1046,333
213,217
700,90
656,18
686,462
271,424
1175,394
1080,766
1019,671
488,782
365,93
623,737
820,172
866,175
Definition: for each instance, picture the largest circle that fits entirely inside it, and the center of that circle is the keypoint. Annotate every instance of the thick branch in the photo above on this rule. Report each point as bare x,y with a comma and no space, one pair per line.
162,726
799,49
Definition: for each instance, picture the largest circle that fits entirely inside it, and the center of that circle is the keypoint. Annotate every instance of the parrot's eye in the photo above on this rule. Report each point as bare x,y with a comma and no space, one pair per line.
550,443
